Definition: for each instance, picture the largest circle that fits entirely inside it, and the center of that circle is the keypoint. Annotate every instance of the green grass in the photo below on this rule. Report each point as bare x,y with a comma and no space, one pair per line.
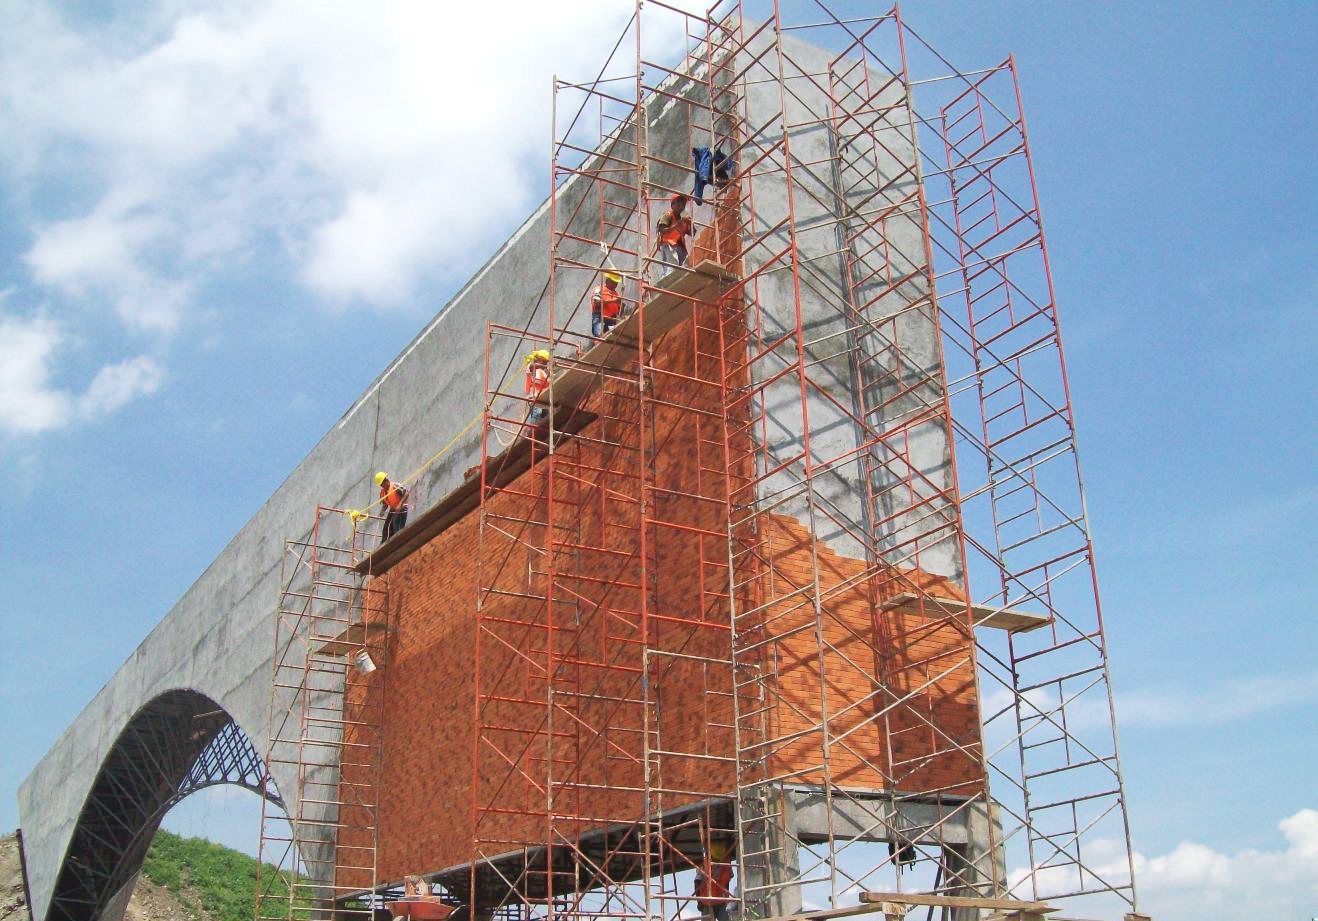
223,880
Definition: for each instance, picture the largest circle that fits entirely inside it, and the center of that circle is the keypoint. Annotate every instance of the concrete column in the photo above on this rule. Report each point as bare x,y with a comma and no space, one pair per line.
978,863
769,867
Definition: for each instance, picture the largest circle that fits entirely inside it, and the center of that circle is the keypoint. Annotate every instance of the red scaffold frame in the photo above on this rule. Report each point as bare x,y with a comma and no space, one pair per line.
318,858
589,796
876,267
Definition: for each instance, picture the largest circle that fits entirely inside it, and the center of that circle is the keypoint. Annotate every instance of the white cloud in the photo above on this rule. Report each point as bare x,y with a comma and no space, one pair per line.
1194,882
91,250
378,145
28,404
98,255
1162,706
162,151
114,385
1232,699
1198,883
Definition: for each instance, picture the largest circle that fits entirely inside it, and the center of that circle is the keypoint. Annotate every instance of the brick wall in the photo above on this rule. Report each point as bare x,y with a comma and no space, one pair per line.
451,791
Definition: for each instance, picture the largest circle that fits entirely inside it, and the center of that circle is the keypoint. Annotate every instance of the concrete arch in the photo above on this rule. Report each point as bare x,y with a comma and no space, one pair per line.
179,742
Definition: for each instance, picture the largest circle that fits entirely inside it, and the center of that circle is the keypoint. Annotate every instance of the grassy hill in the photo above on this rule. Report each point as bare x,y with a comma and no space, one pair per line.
183,879
221,882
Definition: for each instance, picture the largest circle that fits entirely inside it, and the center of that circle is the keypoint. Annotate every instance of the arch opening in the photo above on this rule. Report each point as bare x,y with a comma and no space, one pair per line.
177,744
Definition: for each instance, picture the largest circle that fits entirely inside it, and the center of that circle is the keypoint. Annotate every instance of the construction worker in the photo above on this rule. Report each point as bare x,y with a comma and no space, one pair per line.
713,890
606,305
537,382
674,227
394,498
418,888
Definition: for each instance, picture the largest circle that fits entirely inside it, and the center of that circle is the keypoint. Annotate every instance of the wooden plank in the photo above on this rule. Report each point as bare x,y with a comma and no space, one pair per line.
353,638
422,909
669,304
985,615
954,901
826,914
504,467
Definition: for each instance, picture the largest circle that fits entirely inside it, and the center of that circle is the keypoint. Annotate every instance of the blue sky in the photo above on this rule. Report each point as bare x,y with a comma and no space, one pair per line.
220,222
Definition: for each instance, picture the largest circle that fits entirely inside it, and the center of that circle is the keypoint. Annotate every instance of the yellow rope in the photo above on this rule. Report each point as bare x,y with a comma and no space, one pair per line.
358,514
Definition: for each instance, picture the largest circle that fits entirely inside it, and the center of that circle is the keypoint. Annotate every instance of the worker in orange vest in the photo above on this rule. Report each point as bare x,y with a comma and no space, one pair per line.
394,498
606,305
674,227
537,382
713,890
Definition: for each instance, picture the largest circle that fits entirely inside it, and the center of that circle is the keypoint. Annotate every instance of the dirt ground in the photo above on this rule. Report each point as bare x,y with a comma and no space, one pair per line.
149,902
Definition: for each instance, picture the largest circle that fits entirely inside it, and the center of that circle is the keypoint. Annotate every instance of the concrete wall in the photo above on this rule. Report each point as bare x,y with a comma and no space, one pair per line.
875,350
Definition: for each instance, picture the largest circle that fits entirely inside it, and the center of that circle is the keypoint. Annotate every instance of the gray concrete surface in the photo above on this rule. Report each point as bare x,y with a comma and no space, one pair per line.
878,353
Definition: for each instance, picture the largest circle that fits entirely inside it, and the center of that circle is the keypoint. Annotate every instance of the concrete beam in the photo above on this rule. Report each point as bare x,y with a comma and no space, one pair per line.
874,817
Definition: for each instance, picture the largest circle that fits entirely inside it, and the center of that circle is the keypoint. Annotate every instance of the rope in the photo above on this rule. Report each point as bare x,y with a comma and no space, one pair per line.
499,438
444,450
407,480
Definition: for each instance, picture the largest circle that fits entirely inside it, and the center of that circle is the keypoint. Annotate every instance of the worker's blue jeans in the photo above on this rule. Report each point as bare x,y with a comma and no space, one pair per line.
599,325
673,253
393,523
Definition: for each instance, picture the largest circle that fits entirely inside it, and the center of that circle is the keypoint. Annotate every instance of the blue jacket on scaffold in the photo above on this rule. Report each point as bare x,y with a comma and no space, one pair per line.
710,166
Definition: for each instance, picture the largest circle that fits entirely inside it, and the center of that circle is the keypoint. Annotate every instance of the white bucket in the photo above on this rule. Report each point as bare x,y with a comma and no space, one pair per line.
365,664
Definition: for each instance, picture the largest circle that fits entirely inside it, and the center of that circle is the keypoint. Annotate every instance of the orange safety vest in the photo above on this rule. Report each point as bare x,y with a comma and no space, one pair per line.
678,227
608,302
537,380
394,496
712,892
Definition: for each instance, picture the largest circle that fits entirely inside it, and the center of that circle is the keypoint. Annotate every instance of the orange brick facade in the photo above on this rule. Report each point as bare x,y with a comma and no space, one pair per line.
570,691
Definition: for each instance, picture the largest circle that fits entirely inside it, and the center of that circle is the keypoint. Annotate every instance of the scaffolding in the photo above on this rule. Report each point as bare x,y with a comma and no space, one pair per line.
1054,741
318,853
597,787
820,483
788,569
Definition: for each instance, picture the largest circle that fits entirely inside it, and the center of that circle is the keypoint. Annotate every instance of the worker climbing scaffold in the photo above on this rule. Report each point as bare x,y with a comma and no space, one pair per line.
536,383
713,889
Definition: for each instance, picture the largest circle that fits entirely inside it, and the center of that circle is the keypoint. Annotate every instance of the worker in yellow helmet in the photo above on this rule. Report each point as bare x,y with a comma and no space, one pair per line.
606,305
537,382
393,497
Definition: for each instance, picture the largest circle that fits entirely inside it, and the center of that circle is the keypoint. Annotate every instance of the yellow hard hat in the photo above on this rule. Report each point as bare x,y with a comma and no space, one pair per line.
613,277
381,477
538,355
